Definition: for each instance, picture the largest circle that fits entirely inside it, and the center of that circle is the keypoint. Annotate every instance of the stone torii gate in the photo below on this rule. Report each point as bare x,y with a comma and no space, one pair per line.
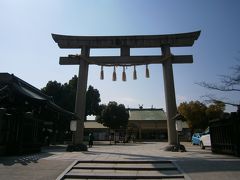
124,43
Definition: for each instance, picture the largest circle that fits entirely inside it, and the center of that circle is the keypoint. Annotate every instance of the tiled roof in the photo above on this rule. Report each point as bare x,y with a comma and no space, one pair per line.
134,114
147,114
93,124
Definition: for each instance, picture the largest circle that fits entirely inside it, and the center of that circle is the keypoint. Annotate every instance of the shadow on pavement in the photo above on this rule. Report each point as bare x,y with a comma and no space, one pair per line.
32,158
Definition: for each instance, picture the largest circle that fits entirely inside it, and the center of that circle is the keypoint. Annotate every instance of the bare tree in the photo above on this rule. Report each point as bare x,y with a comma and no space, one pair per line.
228,83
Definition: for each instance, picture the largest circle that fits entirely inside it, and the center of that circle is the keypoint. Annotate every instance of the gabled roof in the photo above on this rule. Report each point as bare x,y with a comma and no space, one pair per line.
22,87
10,83
147,114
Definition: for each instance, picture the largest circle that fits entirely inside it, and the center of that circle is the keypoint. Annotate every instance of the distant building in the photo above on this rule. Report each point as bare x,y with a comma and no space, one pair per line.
99,131
147,124
144,124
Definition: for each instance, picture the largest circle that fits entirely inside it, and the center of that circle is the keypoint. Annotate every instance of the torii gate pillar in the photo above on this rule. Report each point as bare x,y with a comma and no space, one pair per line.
170,99
80,104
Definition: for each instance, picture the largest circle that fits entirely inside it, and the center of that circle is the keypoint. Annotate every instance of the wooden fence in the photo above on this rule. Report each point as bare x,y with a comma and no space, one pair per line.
225,135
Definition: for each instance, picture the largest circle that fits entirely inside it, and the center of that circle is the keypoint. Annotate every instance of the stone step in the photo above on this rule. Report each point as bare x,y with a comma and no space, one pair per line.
126,166
122,174
122,170
127,179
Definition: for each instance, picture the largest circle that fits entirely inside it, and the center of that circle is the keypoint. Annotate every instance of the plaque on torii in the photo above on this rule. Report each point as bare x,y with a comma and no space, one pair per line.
125,43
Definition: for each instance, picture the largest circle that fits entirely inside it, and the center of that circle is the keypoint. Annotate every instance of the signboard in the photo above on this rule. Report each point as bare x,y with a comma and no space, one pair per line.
73,125
178,124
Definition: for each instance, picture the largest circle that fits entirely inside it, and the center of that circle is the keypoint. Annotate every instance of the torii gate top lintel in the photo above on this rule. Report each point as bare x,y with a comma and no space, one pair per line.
125,43
140,41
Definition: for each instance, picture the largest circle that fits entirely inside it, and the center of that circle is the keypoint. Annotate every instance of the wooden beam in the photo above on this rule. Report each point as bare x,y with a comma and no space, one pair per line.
125,60
181,59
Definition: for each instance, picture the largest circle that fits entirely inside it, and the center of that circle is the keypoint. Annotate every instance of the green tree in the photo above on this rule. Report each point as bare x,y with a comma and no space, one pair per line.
64,95
114,116
55,90
69,94
92,101
195,114
215,110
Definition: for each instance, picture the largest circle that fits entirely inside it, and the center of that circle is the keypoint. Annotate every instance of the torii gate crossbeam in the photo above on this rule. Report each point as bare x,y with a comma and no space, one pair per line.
165,42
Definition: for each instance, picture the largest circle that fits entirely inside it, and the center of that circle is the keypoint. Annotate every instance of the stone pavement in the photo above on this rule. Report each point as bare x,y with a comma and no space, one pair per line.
194,164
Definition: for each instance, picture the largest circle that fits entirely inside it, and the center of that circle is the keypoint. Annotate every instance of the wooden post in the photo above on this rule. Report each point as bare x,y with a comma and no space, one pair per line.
170,99
125,51
80,103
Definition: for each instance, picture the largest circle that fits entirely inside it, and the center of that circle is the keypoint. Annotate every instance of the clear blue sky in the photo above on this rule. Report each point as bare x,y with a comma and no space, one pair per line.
28,50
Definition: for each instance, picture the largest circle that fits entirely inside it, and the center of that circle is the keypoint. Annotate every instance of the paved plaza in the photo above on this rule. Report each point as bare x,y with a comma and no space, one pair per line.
194,164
